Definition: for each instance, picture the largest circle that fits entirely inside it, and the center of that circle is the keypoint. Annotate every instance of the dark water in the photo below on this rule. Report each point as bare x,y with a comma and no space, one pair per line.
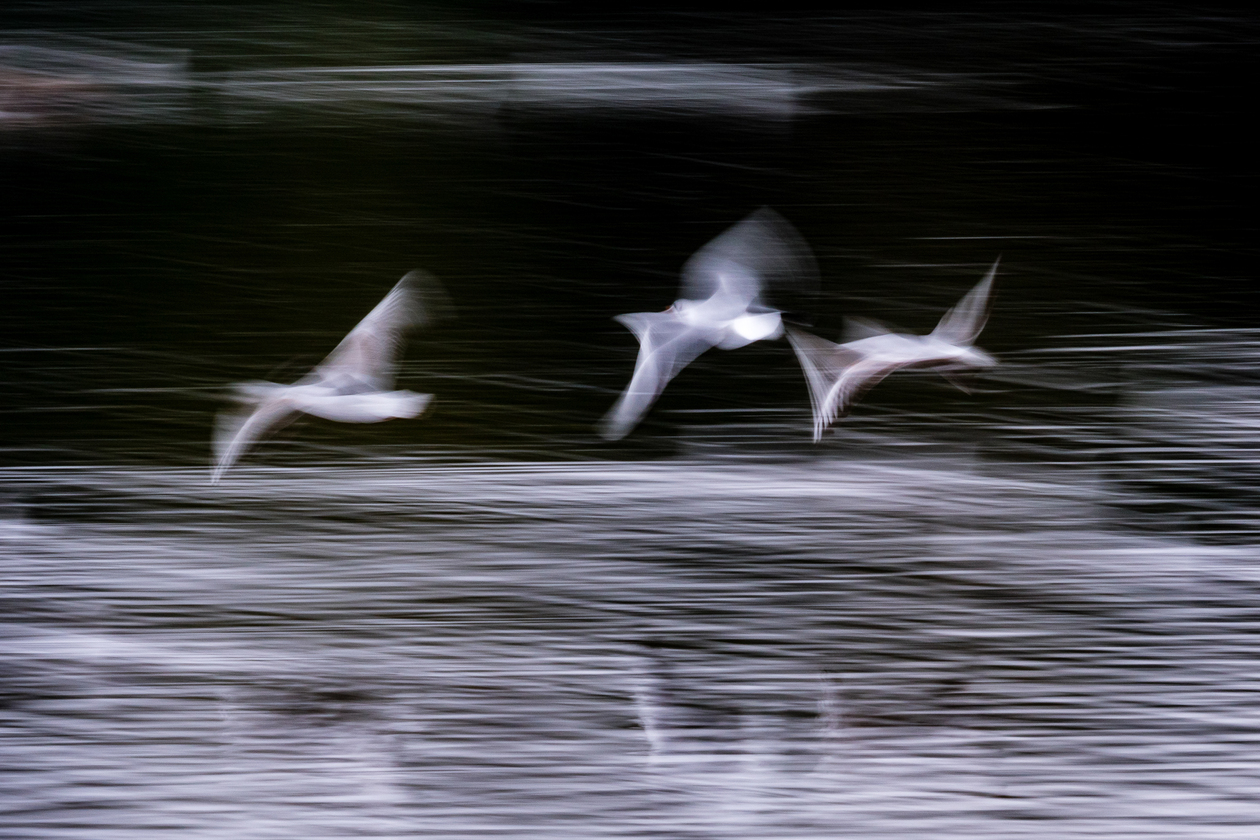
1025,612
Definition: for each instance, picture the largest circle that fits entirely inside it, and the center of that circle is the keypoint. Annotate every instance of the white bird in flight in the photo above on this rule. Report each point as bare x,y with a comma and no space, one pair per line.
840,373
353,385
720,306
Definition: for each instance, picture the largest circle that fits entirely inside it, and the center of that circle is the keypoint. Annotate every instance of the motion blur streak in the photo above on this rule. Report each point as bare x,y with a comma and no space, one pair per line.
763,91
759,91
54,79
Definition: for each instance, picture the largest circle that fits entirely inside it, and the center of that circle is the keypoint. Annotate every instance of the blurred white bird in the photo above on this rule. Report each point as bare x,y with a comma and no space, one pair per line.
721,306
352,385
840,373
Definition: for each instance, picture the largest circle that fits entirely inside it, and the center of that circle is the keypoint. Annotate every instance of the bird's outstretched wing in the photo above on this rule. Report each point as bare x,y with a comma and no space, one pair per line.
837,375
761,254
235,432
666,346
962,324
824,363
366,356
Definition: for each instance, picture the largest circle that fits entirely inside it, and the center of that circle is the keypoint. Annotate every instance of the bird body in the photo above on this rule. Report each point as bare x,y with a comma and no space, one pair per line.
332,403
352,385
838,374
721,306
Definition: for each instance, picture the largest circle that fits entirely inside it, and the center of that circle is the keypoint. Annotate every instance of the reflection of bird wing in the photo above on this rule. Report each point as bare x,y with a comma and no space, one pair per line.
647,702
666,346
761,251
236,432
962,324
367,354
837,375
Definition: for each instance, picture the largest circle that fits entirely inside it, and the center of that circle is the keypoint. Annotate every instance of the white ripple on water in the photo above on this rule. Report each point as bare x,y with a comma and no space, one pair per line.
452,652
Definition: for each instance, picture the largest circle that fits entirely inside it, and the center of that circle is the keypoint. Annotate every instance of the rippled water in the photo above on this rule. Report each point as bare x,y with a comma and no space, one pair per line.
1025,612
684,648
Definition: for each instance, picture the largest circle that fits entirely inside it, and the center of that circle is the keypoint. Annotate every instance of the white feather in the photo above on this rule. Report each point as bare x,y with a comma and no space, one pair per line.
352,385
720,307
838,374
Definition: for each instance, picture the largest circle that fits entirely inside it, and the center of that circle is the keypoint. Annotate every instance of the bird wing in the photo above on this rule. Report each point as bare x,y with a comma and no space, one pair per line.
962,324
859,379
824,363
666,346
237,431
762,251
366,356
837,375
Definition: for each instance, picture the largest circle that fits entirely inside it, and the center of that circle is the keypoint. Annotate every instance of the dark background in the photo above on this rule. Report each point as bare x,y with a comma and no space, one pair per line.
1103,152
